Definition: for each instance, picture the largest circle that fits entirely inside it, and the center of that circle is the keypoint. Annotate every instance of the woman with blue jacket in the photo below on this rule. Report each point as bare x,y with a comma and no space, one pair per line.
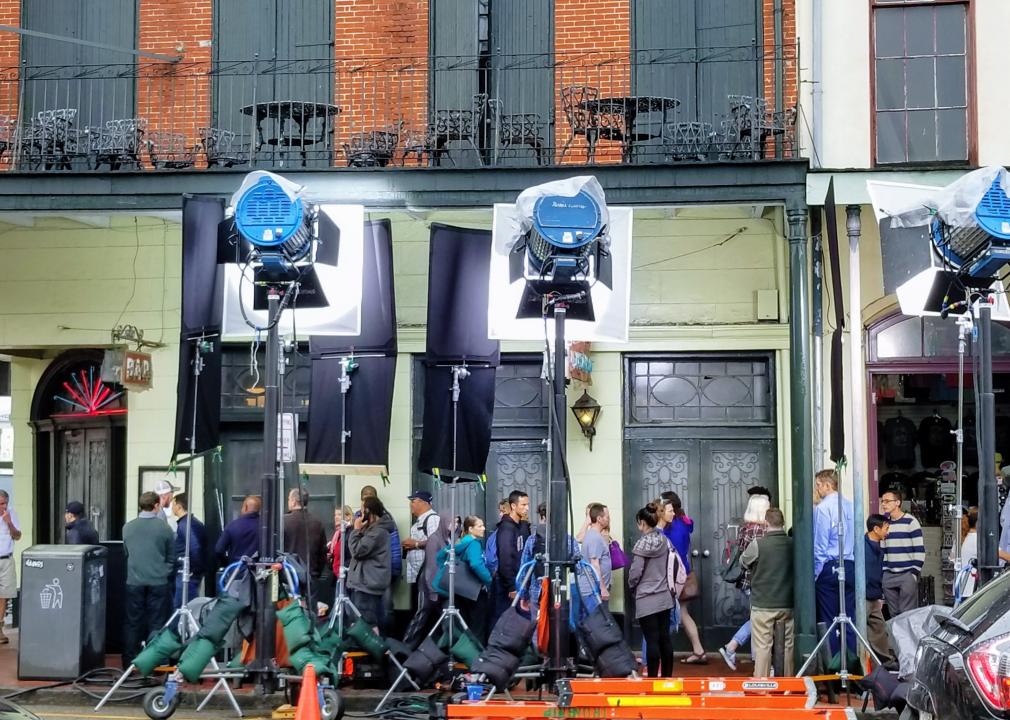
469,552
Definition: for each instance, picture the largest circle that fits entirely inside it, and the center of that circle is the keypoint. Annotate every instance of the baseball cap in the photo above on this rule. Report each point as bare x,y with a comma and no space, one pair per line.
163,486
420,495
75,508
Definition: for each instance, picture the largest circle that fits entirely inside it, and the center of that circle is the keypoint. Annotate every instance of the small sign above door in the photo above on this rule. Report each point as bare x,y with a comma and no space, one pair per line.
138,371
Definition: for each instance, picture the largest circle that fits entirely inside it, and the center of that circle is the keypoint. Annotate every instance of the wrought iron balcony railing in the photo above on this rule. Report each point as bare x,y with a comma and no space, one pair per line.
661,106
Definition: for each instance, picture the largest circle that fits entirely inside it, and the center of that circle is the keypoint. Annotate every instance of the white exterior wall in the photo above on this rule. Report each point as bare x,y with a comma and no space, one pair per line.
846,56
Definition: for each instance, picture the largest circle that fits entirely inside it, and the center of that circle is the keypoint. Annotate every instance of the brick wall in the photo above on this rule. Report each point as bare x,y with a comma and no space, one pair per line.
381,52
788,52
175,98
597,56
381,64
10,45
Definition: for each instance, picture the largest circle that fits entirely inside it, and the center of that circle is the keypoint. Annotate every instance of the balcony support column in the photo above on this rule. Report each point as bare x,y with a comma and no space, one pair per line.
801,427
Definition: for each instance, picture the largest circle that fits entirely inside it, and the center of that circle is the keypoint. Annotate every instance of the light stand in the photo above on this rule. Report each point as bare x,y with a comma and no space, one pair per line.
964,323
988,496
187,623
264,665
342,600
558,560
450,613
842,621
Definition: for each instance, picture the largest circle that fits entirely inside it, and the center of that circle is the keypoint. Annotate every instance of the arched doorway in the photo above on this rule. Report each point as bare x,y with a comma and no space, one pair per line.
80,446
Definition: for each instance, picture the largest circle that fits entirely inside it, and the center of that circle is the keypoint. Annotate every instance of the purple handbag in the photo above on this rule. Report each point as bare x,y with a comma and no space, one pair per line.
618,559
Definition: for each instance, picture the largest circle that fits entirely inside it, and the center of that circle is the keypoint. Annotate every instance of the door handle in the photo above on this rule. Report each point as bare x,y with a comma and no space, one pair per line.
706,553
694,553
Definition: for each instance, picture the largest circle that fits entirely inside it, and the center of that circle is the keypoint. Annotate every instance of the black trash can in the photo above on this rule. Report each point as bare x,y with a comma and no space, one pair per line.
62,633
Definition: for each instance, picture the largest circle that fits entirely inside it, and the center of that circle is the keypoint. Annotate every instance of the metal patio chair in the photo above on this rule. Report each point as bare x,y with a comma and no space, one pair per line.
577,103
220,148
169,151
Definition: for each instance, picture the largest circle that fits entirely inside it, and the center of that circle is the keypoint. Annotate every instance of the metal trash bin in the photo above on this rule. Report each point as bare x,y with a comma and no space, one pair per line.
62,633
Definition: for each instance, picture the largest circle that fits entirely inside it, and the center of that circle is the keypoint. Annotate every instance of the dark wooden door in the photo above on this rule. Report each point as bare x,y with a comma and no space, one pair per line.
711,476
241,475
702,426
85,474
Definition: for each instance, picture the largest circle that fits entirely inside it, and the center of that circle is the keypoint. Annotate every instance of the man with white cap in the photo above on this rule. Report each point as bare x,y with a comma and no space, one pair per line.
165,492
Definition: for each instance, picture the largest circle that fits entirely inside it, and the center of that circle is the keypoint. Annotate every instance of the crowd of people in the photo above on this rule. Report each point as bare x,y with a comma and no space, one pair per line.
483,562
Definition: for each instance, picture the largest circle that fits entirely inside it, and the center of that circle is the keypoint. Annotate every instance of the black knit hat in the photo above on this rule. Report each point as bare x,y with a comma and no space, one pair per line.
760,490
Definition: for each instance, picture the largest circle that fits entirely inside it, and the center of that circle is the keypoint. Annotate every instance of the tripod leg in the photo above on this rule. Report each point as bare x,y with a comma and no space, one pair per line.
118,683
392,689
817,648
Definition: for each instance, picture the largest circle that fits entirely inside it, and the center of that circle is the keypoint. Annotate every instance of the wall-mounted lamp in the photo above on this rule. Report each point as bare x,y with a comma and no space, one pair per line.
587,412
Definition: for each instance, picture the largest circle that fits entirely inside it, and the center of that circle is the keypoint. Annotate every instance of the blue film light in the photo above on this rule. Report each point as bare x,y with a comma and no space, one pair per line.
280,228
982,248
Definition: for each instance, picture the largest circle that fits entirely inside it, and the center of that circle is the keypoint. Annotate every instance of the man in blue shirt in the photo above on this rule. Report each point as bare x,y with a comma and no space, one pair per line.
877,527
826,527
241,537
197,548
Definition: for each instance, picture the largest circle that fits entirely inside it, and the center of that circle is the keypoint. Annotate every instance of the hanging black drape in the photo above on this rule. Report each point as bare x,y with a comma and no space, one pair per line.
457,334
837,426
473,422
459,267
370,397
201,317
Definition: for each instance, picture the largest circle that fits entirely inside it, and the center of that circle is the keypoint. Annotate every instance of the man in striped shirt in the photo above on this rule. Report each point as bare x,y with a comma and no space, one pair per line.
904,554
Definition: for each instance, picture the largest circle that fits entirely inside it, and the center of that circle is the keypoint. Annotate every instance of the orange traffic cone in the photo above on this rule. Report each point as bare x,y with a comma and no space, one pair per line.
308,697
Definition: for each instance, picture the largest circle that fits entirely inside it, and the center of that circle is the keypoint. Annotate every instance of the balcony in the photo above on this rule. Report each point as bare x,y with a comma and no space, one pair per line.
667,106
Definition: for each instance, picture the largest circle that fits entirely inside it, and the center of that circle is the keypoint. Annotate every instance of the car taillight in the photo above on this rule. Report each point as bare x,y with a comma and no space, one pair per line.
989,669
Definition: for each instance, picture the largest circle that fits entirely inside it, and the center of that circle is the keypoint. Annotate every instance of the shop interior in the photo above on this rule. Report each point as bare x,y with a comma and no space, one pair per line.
915,449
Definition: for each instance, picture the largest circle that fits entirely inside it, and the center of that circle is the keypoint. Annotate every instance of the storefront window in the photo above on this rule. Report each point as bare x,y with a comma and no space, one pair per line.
928,337
903,339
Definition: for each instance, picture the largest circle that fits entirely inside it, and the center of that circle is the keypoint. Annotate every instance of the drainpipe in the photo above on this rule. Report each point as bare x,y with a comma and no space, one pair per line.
801,465
857,457
779,65
816,80
817,310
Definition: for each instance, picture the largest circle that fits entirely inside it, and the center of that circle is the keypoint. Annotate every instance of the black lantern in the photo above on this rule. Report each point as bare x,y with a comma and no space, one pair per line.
587,412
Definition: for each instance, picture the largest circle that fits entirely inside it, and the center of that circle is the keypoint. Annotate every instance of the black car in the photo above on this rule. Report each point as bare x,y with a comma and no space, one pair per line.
962,669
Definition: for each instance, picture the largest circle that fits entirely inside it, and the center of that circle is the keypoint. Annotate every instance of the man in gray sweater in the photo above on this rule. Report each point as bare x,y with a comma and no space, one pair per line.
149,546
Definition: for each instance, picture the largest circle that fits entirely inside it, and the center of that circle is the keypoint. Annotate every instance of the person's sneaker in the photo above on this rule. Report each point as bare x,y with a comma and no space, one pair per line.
3,638
728,657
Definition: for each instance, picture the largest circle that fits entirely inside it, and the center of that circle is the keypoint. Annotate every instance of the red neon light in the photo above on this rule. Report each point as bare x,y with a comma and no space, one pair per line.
88,397
99,413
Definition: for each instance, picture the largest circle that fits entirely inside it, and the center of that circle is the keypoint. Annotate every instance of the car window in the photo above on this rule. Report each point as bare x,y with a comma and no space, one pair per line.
993,598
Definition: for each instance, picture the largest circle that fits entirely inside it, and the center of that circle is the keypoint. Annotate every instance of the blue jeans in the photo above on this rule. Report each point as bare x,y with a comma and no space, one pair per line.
742,635
826,591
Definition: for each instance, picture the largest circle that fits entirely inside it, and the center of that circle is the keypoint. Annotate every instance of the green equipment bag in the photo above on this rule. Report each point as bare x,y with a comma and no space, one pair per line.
218,621
297,626
304,656
466,649
363,636
195,658
160,649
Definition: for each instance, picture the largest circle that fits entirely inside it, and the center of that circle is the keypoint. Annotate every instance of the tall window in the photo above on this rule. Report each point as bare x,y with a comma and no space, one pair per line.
921,72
